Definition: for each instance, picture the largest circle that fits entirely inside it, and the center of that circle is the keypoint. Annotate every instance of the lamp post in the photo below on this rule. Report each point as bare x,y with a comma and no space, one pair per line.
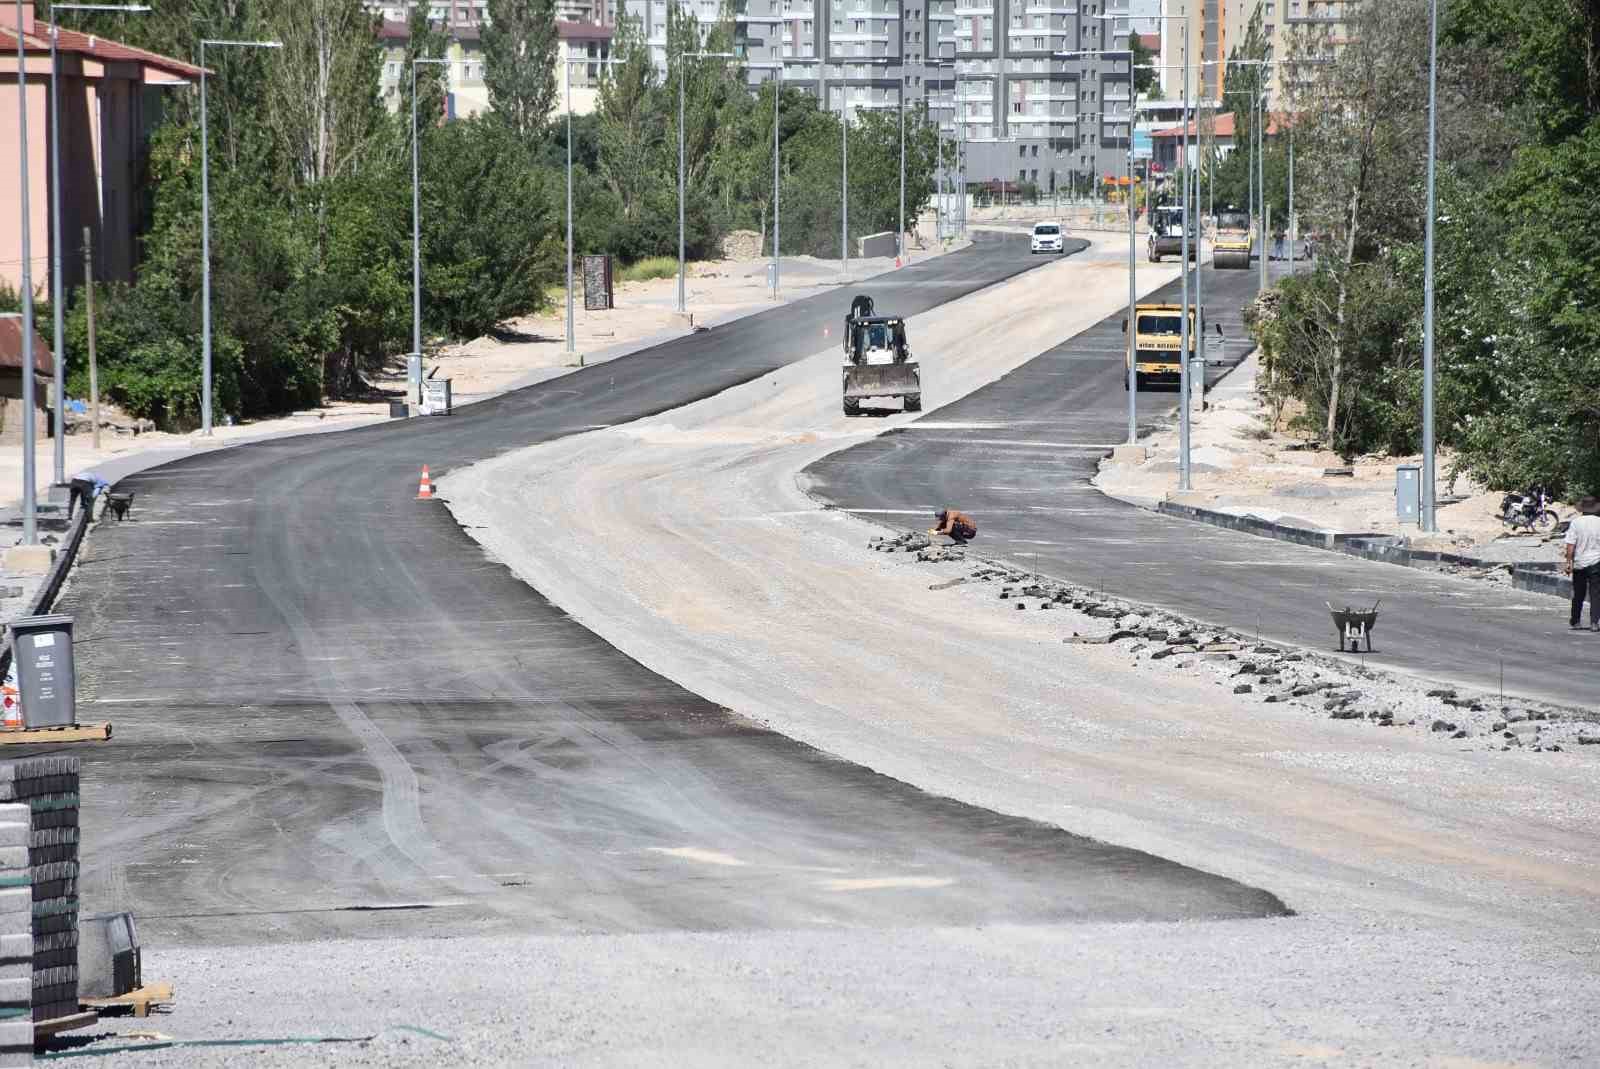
29,504
58,391
416,212
777,254
682,305
1429,520
205,229
1133,292
572,348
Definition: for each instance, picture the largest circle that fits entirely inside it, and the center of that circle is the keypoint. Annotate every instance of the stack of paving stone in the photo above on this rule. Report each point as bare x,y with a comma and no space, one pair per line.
48,787
16,937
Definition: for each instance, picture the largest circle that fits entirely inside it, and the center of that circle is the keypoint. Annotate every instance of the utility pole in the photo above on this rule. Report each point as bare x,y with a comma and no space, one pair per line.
1429,520
30,534
94,367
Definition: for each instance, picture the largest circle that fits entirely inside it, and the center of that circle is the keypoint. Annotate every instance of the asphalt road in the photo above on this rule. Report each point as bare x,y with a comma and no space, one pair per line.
1019,456
335,717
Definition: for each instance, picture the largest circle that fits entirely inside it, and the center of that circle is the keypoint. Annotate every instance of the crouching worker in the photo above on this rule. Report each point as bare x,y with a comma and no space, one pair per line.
86,486
958,525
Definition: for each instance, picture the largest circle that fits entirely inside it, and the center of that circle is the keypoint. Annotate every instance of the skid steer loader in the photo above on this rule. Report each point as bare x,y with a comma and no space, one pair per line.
877,359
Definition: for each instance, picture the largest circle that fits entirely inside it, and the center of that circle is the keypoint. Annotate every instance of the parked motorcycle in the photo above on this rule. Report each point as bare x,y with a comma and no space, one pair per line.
1528,510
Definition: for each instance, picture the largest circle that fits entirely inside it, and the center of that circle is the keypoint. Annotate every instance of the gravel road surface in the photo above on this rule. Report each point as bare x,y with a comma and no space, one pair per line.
684,540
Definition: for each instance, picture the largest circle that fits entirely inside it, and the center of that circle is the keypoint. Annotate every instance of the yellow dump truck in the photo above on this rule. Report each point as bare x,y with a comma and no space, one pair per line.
1231,249
1157,339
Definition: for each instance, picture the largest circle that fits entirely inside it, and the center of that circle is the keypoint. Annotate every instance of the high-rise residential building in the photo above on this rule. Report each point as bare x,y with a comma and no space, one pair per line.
1217,27
989,72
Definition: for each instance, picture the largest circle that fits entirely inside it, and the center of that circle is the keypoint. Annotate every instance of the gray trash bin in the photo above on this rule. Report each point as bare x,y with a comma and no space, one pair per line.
41,648
1408,493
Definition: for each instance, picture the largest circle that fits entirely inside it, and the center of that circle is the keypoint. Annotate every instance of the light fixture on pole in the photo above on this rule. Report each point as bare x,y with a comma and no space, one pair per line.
682,304
205,230
57,299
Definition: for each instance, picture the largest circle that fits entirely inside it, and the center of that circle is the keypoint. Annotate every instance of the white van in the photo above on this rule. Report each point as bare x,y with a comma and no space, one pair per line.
1047,238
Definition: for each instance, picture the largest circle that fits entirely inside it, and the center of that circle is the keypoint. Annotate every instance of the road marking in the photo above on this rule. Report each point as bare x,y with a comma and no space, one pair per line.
887,883
694,853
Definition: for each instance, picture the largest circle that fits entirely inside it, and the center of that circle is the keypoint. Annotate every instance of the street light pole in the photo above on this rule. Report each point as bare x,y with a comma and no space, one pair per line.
1429,520
205,229
1262,117
573,355
29,503
777,250
682,303
1187,386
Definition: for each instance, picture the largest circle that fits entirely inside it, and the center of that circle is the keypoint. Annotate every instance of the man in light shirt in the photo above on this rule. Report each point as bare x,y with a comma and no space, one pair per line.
1583,563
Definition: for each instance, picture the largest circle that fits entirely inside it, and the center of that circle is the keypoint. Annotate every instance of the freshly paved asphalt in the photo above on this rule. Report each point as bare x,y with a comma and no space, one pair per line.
1019,455
335,716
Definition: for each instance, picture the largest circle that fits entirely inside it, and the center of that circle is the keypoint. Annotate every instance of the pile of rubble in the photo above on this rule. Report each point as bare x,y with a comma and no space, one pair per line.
1323,685
921,545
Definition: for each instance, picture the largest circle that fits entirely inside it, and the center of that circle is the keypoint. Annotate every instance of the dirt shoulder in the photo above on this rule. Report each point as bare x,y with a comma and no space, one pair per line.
1240,465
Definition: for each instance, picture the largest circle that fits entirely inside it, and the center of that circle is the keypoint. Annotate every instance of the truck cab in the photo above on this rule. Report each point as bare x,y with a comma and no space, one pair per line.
1158,341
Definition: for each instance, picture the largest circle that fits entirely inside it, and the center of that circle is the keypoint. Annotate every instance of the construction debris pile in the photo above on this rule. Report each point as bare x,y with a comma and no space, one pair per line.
1254,670
921,545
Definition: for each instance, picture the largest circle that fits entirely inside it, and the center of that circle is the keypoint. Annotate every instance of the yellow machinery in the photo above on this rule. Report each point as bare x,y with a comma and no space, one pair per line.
1158,337
1231,249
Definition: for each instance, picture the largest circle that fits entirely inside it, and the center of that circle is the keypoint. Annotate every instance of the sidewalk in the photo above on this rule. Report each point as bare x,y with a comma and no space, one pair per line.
1247,477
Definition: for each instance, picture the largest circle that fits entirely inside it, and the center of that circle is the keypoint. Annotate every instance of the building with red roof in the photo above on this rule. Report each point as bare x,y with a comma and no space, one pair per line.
111,96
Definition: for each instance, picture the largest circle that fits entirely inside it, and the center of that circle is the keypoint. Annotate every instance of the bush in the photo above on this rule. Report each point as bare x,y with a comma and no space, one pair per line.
651,267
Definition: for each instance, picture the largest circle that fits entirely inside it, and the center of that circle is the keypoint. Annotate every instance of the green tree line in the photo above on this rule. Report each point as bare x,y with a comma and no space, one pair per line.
311,187
1517,335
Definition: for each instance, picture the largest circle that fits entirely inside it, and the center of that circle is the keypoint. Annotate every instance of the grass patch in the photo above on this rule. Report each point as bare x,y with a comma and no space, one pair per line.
650,267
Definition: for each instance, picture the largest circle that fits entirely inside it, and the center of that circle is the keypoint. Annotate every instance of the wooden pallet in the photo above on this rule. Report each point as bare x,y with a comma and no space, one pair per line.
70,1023
139,1000
52,736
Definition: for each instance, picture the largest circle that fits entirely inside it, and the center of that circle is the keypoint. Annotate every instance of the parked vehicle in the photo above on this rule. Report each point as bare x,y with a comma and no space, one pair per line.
1529,510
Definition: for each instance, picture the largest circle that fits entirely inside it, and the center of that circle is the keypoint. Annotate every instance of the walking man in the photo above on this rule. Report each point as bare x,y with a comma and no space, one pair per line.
1583,563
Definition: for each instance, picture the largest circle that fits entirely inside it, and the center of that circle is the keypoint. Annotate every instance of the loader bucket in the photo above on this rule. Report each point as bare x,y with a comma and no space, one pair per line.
882,380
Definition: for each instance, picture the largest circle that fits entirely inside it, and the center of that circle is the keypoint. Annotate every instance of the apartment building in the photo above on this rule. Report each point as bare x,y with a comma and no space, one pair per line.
584,41
1216,27
987,71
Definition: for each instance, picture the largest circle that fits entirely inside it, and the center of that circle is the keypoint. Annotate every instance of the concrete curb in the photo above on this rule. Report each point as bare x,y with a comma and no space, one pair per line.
45,596
1386,549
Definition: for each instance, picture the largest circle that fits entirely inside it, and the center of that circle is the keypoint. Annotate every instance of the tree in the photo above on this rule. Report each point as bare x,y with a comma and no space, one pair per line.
1143,80
321,101
424,39
630,122
1358,134
519,58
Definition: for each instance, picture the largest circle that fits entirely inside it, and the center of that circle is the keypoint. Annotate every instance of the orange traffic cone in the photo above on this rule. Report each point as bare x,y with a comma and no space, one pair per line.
425,491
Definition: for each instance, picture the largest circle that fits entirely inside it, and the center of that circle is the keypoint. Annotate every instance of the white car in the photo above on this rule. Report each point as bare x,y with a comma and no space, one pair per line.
1047,238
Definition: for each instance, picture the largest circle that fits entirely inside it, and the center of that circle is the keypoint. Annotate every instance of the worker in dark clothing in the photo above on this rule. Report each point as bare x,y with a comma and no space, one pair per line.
85,487
958,525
